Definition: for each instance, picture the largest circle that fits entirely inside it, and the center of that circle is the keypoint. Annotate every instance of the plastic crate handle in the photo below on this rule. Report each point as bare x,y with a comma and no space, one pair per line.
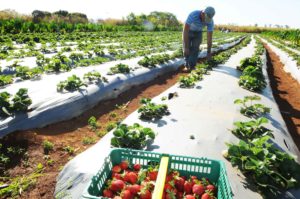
161,178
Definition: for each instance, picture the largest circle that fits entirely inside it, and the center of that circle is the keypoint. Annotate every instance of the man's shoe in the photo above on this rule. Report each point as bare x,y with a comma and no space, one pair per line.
186,69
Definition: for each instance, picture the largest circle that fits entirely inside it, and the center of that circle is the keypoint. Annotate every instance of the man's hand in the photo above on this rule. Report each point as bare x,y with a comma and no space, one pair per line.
186,52
208,56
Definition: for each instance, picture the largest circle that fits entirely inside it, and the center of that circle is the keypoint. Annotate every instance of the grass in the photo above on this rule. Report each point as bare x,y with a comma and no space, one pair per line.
16,186
88,140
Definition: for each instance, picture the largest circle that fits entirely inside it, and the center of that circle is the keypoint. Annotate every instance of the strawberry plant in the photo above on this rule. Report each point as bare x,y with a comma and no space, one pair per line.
152,111
94,76
251,129
119,68
5,104
186,81
252,83
151,62
93,124
48,146
25,72
5,79
21,100
270,169
252,110
134,137
71,84
250,61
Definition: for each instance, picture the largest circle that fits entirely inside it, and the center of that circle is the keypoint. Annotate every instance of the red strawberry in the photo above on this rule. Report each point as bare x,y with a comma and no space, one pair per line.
207,196
179,195
108,193
126,194
190,197
194,180
188,187
116,169
117,176
153,175
131,177
136,167
169,178
211,188
124,164
170,195
134,189
179,183
117,185
145,194
168,187
198,189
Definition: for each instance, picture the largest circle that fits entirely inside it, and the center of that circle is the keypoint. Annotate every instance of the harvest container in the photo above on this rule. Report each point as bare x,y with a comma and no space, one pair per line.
200,167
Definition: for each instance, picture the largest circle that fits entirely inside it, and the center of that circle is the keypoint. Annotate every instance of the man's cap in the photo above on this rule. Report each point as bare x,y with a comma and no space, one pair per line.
209,13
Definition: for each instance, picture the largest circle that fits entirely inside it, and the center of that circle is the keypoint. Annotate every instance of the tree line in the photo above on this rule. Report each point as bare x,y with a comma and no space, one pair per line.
62,21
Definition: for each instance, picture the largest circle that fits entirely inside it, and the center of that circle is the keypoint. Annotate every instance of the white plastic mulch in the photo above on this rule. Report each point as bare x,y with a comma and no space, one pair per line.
290,65
49,106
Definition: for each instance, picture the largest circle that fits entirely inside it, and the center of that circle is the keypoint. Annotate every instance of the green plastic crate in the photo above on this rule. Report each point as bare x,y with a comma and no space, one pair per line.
200,167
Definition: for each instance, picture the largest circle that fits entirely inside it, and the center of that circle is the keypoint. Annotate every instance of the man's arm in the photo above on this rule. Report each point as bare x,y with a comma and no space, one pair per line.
209,44
185,39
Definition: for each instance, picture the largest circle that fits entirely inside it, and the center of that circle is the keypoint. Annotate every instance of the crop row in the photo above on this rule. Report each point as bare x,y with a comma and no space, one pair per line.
273,171
252,77
294,55
201,69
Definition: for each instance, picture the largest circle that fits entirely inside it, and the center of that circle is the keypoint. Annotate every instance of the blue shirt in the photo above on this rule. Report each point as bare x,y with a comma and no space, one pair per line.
196,24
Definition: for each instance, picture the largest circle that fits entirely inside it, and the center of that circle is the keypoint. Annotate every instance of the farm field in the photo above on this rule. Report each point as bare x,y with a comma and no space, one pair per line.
107,110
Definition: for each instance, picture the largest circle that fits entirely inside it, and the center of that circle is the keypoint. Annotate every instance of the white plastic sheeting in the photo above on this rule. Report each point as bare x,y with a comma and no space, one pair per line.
49,106
206,112
290,65
291,49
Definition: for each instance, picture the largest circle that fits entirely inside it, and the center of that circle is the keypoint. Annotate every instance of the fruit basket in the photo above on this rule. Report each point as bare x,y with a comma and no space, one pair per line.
213,170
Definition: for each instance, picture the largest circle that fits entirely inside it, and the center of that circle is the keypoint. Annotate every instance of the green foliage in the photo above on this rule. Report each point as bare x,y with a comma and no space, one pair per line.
152,61
88,140
94,76
250,61
58,63
186,81
93,123
252,83
252,110
21,100
20,184
71,84
48,146
5,79
119,68
270,169
134,137
251,129
70,150
152,111
252,77
5,104
110,126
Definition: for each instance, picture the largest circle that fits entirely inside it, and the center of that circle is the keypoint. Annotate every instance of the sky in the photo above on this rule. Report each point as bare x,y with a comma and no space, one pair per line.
239,12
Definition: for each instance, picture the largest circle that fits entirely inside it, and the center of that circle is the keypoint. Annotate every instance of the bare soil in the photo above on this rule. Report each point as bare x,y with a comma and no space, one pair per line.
286,93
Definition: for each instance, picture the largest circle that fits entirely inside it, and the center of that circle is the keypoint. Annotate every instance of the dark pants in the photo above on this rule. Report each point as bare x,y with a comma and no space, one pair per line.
194,39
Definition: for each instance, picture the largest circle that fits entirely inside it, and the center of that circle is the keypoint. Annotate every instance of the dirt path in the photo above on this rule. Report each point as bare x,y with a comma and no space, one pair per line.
286,91
73,132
